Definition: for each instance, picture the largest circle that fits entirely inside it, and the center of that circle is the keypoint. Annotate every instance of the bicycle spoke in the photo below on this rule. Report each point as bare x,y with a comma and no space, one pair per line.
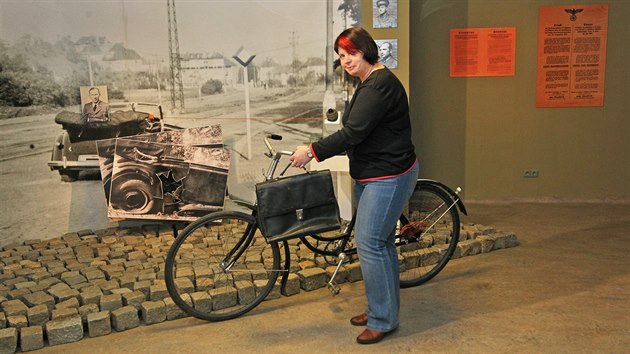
429,236
220,268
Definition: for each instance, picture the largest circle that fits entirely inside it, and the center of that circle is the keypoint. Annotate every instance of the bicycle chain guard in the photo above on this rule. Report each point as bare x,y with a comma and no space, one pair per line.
413,230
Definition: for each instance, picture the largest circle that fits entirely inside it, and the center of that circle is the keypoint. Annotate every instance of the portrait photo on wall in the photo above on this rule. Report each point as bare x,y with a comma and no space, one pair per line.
173,175
94,104
385,13
388,52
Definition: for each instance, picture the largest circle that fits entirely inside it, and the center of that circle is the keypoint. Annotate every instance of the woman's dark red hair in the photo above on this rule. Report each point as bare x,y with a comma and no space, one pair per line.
357,39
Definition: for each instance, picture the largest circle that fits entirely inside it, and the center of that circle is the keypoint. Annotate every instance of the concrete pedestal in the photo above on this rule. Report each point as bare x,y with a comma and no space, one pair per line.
339,167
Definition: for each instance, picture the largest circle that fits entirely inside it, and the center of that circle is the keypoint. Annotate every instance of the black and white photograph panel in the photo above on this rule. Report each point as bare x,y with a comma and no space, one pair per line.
388,52
210,138
170,179
385,13
94,103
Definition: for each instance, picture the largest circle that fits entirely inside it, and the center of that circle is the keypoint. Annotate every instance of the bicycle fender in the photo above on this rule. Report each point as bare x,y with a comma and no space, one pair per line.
460,203
244,203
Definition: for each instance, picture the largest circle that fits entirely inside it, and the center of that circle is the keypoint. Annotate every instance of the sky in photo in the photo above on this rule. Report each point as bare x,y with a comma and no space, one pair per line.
266,28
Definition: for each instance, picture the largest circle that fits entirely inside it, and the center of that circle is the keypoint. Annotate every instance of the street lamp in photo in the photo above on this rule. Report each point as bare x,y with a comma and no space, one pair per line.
244,57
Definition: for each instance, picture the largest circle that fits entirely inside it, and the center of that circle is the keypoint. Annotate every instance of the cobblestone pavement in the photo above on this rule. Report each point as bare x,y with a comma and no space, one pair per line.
92,283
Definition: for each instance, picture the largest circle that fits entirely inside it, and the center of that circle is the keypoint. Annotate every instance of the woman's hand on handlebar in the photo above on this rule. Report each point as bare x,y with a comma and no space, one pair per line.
300,157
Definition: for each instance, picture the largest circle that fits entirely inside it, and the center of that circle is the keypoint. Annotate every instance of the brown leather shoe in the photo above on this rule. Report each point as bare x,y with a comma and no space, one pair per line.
359,320
370,337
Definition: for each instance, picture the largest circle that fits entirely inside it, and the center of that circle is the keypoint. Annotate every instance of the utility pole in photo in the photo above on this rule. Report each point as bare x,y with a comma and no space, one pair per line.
329,95
177,88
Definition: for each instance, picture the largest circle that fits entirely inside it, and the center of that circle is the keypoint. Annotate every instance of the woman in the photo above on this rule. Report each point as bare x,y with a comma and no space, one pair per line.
376,136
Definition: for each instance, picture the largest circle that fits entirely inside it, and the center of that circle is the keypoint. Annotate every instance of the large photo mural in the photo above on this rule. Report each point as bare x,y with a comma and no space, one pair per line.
179,56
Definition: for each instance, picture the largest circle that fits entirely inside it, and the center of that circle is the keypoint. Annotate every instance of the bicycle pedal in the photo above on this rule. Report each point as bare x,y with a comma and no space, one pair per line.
334,288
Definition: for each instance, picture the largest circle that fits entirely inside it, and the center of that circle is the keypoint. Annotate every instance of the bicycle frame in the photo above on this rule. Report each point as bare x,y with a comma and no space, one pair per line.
340,251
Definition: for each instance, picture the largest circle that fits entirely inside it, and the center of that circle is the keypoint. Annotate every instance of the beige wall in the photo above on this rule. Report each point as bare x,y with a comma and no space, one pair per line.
480,133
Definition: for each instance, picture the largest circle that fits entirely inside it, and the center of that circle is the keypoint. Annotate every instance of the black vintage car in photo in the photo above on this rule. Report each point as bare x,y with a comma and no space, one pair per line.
75,148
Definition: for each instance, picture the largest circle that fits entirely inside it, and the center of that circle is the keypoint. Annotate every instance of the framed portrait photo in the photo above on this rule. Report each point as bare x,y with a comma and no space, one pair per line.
94,104
385,13
388,52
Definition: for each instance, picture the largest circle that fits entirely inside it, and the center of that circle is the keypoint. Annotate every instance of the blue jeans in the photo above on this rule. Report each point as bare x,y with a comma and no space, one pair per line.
379,205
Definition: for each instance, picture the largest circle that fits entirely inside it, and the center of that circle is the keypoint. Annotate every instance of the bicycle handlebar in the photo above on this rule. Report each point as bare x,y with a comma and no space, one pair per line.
272,151
274,156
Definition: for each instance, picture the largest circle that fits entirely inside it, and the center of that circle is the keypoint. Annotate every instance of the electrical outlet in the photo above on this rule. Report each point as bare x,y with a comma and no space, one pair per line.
530,173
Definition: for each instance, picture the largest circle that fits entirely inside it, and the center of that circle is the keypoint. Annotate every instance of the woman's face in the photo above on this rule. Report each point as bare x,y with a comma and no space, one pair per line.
354,63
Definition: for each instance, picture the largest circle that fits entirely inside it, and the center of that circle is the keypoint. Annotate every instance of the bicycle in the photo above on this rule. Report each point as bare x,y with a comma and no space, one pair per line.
221,267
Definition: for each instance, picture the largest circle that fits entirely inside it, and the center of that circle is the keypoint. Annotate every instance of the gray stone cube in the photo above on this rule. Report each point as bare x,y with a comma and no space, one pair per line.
410,260
17,321
431,255
93,273
38,315
63,312
85,310
25,284
223,297
312,278
71,302
65,330
223,280
127,281
173,312
99,324
293,285
73,281
509,239
354,272
185,285
18,293
110,302
487,243
202,301
143,286
259,274
62,294
133,298
260,284
246,291
8,340
205,284
342,274
125,318
31,338
158,292
14,307
153,312
90,295
39,298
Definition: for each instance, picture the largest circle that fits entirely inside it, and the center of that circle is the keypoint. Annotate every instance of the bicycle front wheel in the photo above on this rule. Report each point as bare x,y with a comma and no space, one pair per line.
428,234
220,267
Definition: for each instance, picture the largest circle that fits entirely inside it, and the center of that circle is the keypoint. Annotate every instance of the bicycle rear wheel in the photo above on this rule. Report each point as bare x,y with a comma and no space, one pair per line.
220,267
428,234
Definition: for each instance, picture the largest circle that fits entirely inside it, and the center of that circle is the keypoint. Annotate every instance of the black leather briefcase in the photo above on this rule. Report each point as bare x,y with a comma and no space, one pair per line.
296,206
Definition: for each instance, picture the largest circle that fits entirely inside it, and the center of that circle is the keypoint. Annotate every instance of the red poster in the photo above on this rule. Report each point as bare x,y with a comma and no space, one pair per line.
571,55
483,51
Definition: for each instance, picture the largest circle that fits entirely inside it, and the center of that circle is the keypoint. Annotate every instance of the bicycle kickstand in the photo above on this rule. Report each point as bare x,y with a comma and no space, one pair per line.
332,286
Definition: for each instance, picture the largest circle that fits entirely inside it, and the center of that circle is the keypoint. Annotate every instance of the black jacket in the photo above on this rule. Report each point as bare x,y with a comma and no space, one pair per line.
376,131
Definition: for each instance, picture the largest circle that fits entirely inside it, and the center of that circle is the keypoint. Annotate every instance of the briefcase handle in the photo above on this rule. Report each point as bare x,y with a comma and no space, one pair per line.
289,165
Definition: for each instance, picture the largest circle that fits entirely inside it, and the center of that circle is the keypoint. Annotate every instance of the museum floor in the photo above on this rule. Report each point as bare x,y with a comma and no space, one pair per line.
563,289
